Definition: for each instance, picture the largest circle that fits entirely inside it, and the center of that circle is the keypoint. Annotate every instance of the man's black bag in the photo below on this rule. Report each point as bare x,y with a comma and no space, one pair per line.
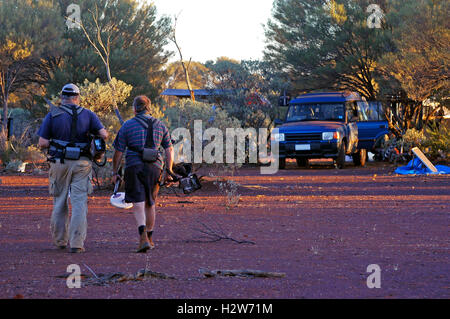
149,154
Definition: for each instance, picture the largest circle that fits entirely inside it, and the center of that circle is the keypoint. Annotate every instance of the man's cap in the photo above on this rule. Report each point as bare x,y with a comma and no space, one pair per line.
70,89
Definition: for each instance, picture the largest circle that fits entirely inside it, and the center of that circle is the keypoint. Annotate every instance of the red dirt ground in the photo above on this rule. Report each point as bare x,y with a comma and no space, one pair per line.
322,227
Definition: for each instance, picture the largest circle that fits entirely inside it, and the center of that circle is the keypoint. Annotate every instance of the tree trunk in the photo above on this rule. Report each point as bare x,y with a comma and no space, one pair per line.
113,88
5,115
188,81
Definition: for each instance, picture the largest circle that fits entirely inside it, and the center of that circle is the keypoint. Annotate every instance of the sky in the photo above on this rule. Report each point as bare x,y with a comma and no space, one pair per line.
208,29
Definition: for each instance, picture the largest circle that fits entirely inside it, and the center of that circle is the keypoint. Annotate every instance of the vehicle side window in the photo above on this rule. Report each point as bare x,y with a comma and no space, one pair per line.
352,111
373,111
363,108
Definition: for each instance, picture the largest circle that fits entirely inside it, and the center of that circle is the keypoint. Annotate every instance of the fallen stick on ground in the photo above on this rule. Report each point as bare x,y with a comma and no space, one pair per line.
240,273
141,275
95,275
211,235
104,279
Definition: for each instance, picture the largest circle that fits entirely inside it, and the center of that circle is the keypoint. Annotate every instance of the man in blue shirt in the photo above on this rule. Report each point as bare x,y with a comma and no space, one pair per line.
66,133
142,178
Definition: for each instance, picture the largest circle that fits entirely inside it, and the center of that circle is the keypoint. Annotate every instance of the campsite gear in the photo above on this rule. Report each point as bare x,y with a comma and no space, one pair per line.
118,198
421,166
189,182
98,150
424,159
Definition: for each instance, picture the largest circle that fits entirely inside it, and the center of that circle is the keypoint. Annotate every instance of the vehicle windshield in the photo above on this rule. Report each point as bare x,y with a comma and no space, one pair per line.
316,112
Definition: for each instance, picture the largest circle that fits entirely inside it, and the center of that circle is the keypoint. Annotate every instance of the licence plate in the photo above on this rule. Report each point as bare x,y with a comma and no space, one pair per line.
303,147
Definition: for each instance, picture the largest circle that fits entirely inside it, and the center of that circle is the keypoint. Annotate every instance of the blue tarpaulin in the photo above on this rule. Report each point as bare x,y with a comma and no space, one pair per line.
416,167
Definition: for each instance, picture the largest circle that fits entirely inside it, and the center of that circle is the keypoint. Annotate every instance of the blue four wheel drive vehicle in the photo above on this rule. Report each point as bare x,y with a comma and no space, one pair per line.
330,125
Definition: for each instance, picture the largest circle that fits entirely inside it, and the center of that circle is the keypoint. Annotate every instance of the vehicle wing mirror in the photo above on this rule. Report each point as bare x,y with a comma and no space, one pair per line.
278,122
284,100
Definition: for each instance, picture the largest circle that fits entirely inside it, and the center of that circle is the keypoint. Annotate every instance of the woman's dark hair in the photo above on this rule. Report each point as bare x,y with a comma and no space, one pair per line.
142,103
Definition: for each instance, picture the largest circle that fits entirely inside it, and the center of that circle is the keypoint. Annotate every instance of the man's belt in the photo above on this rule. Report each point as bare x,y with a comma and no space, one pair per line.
65,150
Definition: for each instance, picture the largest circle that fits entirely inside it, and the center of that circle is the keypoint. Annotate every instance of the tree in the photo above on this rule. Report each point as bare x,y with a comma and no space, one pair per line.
248,89
326,44
30,43
96,96
185,66
136,40
198,74
227,74
103,49
420,62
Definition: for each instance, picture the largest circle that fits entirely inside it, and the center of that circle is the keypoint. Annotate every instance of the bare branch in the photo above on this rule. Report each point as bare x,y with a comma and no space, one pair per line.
211,235
185,69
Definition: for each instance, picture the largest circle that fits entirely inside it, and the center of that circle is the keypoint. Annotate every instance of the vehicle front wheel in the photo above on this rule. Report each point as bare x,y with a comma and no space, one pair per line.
340,160
360,158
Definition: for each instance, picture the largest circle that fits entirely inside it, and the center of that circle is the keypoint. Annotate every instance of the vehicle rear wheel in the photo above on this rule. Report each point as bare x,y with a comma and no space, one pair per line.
340,160
302,161
281,163
360,158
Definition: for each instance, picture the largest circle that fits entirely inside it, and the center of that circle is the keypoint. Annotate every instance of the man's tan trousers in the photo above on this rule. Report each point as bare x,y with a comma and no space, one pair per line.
74,176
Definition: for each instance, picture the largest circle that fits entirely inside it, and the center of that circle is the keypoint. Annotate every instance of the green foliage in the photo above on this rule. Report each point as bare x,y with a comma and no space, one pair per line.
23,122
254,116
227,74
136,37
413,138
418,67
186,112
30,29
98,96
241,83
328,45
198,75
421,35
19,149
434,141
437,142
30,42
324,45
184,115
